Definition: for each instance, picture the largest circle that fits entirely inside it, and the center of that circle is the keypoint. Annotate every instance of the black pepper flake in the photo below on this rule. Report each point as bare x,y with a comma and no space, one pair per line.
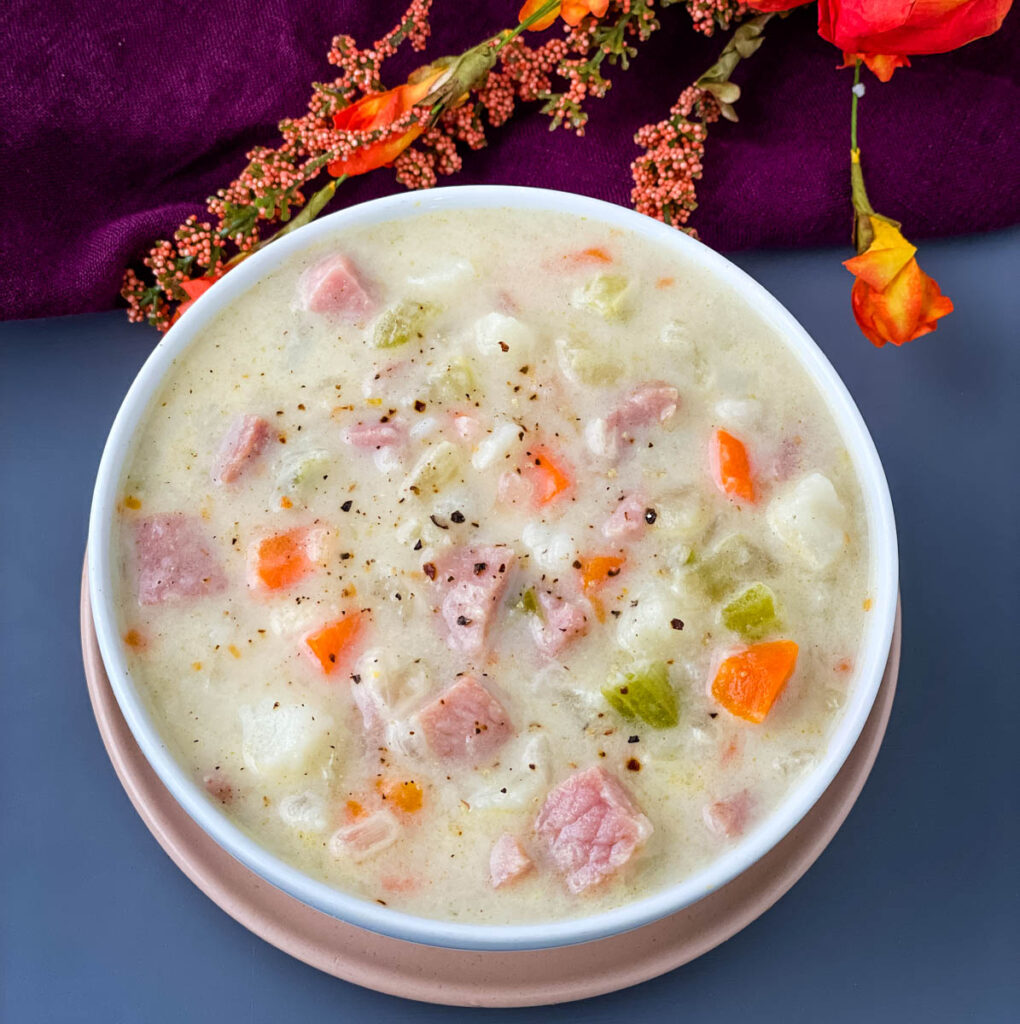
633,739
419,405
504,347
439,523
677,623
457,517
346,506
429,569
576,563
613,572
650,516
344,555
417,546
463,620
356,677
633,765
713,714
615,612
480,567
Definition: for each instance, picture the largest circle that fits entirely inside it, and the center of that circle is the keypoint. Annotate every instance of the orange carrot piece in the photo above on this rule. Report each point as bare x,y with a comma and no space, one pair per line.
354,810
285,502
598,569
747,683
731,466
596,254
135,638
281,560
550,478
333,644
132,502
406,796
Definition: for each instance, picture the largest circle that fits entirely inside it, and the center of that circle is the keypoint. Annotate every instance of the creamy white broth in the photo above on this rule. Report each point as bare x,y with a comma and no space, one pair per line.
285,749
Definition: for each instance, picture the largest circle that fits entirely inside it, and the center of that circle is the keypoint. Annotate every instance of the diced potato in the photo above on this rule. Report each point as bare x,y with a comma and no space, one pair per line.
497,334
644,628
733,561
496,446
406,321
811,520
443,281
550,548
305,811
752,613
584,362
738,414
396,687
644,692
682,514
281,739
606,295
437,467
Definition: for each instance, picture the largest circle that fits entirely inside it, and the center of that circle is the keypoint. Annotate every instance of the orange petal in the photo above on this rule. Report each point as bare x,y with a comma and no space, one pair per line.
887,255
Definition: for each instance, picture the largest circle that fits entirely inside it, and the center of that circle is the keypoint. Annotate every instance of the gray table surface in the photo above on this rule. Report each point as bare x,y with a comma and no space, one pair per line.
911,914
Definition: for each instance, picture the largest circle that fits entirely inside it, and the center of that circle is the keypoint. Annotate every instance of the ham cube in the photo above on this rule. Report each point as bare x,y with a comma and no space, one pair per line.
591,827
508,861
366,836
241,445
334,286
645,405
376,435
175,559
728,818
560,623
471,582
465,722
627,521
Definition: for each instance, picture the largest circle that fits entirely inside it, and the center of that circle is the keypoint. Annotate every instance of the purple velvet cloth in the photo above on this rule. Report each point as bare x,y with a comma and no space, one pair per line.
119,117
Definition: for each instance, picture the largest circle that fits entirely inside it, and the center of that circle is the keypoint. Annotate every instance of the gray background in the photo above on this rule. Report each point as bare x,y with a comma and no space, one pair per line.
912,912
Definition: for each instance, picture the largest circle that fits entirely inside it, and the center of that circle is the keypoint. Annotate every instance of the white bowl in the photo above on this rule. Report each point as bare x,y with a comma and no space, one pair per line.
883,581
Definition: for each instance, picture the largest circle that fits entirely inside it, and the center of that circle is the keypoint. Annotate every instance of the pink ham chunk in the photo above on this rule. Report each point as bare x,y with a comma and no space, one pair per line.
241,445
471,582
465,722
560,623
508,861
645,405
627,521
334,286
376,435
728,818
175,559
591,827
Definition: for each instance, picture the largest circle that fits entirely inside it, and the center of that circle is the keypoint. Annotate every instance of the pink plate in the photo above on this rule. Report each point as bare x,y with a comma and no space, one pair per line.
459,977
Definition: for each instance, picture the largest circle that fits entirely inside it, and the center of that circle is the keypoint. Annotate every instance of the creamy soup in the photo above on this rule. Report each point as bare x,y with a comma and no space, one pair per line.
493,566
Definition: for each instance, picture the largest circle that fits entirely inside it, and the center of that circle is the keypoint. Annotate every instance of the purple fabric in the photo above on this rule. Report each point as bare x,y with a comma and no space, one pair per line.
119,117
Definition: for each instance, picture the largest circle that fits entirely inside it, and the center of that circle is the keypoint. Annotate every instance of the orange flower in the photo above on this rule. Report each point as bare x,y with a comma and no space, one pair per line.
882,65
193,288
893,299
572,11
375,111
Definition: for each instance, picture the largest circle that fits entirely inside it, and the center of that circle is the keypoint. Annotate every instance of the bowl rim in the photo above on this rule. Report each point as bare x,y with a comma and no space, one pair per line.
883,578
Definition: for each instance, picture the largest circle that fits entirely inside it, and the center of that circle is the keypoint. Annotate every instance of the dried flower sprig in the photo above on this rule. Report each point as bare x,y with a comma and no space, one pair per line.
665,174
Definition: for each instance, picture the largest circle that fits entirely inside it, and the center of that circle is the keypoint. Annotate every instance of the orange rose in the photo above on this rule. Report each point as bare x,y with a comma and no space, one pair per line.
572,11
882,65
893,299
376,111
193,288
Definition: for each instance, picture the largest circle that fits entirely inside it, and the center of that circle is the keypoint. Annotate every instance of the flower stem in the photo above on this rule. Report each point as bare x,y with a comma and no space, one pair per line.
863,211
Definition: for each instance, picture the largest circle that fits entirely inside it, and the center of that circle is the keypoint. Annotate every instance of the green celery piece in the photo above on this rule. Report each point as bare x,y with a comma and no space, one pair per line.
733,561
300,471
606,294
455,381
752,613
407,320
644,692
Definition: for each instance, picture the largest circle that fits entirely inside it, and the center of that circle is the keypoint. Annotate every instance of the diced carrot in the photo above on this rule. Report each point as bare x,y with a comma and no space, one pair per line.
132,502
406,796
731,466
333,644
550,478
134,638
747,683
281,560
598,569
354,810
596,254
285,502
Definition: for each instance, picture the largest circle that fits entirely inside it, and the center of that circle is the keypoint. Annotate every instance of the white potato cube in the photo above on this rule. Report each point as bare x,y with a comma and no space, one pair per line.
306,811
282,738
739,414
644,629
811,520
496,330
437,467
497,445
444,280
551,549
